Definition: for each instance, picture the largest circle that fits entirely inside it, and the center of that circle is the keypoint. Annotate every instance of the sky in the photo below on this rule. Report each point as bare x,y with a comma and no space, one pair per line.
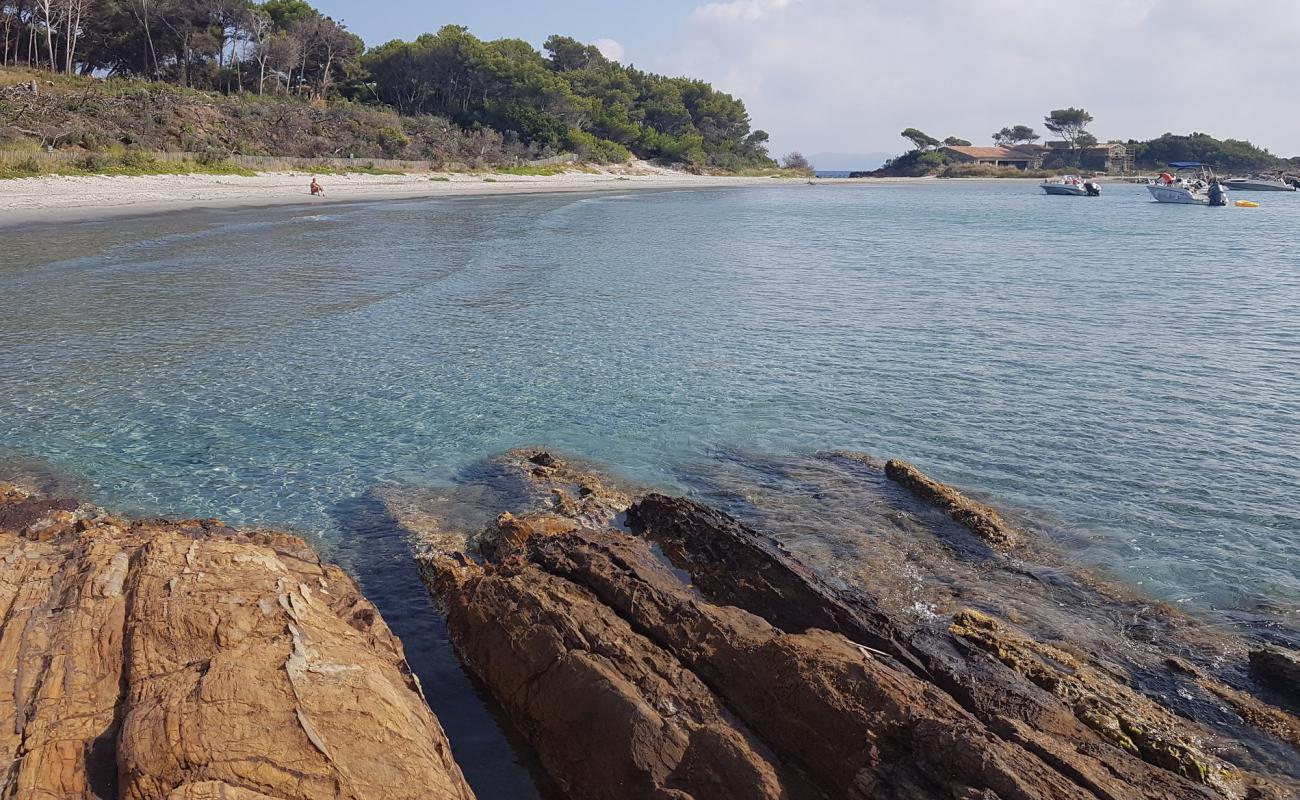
849,75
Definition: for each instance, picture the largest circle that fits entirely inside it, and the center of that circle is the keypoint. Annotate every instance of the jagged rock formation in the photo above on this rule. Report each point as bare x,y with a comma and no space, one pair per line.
686,655
188,661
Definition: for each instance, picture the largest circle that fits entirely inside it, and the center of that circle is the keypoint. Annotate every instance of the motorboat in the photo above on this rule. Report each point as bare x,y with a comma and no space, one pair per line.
1192,184
1072,186
1259,185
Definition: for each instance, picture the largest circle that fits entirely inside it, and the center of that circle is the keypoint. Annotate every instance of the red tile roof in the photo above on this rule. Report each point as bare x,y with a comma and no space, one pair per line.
1000,153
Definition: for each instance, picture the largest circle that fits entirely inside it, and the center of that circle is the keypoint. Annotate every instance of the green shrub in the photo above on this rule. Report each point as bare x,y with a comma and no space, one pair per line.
589,147
392,139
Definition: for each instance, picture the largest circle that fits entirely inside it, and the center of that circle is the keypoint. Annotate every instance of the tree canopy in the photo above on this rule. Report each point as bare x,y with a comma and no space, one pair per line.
1013,135
797,160
919,139
570,98
1226,154
1071,125
953,141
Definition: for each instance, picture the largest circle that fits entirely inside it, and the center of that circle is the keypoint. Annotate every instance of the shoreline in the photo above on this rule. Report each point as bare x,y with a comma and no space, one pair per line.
72,199
63,199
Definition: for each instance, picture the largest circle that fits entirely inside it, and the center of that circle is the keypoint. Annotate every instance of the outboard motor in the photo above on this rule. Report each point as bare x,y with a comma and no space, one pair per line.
1217,194
1092,188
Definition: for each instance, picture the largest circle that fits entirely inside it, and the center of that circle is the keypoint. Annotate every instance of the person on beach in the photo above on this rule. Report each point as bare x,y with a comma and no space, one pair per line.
316,188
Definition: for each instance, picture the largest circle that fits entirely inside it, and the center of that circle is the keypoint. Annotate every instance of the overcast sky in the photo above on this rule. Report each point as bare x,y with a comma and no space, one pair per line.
848,75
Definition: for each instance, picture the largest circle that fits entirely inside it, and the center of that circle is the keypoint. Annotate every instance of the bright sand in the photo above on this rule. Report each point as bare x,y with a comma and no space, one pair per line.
53,199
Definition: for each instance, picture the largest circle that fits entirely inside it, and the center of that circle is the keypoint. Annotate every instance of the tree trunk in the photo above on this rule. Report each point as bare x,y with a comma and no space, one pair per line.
149,36
74,33
46,8
325,73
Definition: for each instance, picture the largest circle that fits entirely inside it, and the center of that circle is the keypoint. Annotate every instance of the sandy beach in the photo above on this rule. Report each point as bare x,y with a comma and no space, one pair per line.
55,199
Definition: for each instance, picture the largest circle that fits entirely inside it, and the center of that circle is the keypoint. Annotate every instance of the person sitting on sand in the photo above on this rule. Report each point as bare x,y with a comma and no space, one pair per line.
316,188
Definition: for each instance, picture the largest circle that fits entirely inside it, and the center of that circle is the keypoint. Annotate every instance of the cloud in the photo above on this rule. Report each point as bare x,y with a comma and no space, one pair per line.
850,74
609,49
740,10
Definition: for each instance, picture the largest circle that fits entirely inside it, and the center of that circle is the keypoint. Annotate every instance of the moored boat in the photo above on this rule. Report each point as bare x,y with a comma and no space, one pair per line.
1184,188
1259,184
1072,186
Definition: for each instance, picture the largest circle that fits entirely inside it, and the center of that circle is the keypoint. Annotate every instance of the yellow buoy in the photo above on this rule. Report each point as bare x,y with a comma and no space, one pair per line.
1247,204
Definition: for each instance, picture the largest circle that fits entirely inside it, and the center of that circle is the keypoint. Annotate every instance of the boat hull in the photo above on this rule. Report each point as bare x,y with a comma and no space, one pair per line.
1064,189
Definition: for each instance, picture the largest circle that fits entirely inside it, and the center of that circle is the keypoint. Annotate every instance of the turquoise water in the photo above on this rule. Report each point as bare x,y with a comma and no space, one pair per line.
1128,373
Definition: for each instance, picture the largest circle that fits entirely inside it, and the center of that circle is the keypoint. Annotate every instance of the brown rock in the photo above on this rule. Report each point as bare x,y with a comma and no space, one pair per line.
846,700
184,660
609,713
509,532
736,565
981,520
857,726
544,628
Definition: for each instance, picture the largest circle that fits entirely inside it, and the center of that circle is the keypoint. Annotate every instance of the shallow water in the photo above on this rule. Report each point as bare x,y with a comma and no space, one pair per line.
1128,373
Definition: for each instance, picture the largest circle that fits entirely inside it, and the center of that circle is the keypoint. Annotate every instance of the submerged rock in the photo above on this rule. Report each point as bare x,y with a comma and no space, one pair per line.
981,520
186,660
625,654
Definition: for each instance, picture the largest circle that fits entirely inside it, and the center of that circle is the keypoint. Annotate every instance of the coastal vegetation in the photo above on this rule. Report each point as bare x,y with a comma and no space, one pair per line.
797,162
279,78
1227,154
929,156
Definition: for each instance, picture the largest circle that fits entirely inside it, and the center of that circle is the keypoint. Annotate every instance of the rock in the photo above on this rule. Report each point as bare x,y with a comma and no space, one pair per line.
610,714
508,532
568,488
832,694
856,725
981,520
1278,670
1130,721
587,635
186,660
738,566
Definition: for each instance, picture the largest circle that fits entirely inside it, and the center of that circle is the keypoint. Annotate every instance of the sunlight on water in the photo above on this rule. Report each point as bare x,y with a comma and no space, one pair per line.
1127,371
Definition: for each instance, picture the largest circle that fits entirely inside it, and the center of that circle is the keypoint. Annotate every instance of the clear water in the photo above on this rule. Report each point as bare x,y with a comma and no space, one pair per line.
1127,371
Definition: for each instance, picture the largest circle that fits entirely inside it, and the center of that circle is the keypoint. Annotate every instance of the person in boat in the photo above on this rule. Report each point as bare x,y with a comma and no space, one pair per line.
1166,179
316,188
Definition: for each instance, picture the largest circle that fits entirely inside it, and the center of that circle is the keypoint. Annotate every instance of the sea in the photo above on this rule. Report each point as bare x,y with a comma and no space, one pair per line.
1123,373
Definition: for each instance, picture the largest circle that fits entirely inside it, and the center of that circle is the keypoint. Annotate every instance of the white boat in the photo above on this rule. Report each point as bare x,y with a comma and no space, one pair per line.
1072,186
1259,185
1184,188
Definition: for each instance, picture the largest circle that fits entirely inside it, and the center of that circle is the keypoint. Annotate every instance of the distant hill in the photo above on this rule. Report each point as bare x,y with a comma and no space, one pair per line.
847,162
